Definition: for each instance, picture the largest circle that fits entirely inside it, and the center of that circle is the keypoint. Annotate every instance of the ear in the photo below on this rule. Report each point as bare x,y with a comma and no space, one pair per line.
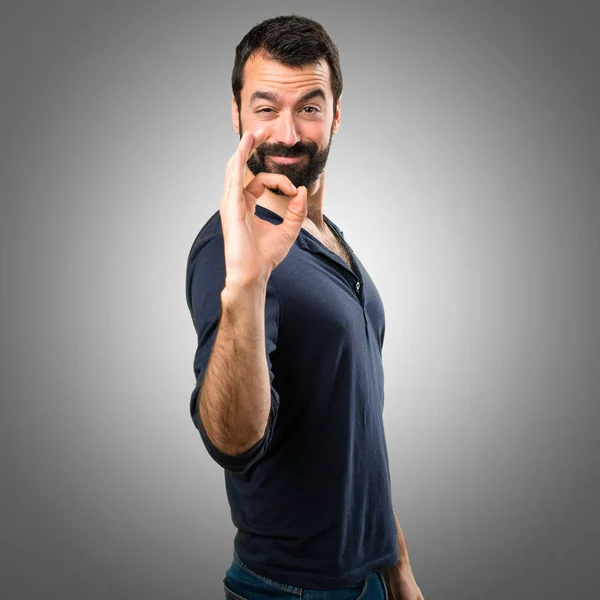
235,115
337,117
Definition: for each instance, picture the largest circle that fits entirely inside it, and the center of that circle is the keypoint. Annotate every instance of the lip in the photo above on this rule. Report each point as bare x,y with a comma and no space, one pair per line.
285,160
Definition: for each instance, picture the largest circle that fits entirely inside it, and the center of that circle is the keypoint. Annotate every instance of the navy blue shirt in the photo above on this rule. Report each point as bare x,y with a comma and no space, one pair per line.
312,499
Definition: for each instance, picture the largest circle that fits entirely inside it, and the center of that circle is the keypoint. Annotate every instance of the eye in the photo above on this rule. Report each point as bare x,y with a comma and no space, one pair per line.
263,110
314,109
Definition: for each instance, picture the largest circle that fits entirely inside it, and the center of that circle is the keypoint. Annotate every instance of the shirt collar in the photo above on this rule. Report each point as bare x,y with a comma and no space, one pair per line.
305,239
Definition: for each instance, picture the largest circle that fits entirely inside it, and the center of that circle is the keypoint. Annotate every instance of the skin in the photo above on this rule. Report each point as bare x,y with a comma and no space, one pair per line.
253,246
289,123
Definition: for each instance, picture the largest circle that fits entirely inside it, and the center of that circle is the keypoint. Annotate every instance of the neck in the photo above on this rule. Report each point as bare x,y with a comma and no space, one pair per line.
278,204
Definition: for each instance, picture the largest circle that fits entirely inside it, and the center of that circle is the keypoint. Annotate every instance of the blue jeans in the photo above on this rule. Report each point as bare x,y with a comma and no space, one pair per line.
243,583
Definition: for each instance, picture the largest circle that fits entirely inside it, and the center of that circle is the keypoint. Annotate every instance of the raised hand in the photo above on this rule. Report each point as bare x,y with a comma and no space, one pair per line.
253,246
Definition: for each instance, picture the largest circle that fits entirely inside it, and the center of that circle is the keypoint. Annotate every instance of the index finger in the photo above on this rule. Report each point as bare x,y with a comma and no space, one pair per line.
249,142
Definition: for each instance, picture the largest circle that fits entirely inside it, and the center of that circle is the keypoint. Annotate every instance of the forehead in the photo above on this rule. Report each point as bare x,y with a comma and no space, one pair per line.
266,74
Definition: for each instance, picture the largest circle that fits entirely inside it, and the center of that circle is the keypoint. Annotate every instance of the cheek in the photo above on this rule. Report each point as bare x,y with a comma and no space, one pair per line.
315,132
248,117
323,142
249,120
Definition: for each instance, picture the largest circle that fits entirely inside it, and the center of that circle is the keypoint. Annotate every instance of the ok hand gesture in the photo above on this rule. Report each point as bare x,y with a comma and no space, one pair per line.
253,246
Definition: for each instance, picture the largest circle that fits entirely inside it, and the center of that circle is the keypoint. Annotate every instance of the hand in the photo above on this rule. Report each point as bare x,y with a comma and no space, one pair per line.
401,584
253,246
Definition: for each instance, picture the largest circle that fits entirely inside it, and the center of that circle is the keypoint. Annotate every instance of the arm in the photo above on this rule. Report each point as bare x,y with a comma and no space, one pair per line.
234,405
399,578
403,552
218,311
235,398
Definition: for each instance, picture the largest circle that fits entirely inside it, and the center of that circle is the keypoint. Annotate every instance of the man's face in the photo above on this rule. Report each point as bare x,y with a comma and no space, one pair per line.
274,97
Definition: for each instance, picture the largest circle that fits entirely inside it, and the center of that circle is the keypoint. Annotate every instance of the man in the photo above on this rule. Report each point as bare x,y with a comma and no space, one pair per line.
289,377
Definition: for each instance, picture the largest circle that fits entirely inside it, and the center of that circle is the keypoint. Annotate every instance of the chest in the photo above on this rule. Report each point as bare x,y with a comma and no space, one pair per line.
332,243
325,326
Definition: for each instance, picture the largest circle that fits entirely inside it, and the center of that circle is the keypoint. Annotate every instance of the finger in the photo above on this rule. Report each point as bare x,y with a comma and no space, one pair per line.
257,185
258,137
228,171
227,179
239,162
245,150
231,207
295,214
236,170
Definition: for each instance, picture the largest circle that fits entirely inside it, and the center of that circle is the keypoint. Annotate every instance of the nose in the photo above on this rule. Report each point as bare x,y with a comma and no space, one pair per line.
285,130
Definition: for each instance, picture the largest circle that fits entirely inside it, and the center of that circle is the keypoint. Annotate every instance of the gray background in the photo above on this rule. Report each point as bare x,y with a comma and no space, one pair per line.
466,177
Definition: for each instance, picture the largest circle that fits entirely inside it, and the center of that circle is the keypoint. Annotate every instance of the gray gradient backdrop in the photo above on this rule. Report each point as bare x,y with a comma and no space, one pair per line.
465,175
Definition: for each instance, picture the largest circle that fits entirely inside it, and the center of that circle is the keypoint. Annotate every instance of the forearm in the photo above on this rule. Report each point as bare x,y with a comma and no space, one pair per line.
234,400
399,578
403,552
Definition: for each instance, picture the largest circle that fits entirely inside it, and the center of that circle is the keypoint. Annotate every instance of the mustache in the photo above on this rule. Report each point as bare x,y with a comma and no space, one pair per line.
286,151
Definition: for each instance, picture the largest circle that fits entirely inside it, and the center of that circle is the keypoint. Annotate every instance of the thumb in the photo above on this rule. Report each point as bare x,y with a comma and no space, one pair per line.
298,204
296,210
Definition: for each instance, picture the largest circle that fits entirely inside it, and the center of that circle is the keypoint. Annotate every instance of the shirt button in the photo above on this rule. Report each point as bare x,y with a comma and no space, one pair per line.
357,286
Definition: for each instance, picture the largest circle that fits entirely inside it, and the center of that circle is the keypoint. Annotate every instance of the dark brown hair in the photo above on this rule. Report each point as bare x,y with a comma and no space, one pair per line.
292,40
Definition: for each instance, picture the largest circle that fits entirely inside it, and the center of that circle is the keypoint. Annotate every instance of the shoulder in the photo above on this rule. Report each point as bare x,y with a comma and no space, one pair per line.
211,234
205,269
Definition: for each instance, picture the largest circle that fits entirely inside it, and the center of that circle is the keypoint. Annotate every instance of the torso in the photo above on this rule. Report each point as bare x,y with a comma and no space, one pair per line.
330,241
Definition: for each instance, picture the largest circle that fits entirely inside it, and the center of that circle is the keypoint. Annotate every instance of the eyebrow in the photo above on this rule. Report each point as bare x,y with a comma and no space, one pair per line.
260,95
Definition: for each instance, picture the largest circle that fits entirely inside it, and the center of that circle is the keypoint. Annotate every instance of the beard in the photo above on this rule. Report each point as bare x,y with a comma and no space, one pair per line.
304,172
